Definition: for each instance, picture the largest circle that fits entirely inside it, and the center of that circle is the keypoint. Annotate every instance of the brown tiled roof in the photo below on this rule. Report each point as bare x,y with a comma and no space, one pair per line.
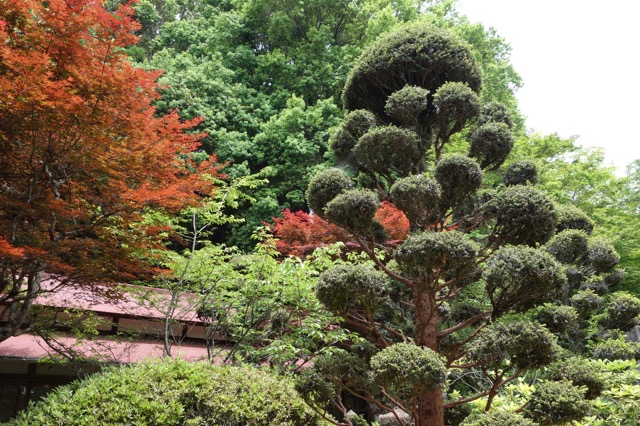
31,347
116,299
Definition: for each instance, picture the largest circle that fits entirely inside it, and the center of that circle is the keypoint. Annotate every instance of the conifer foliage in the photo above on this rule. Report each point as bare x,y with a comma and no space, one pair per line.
82,153
476,261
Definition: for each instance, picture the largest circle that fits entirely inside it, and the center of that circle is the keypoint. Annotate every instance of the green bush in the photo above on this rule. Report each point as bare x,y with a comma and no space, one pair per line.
497,418
172,392
557,402
580,372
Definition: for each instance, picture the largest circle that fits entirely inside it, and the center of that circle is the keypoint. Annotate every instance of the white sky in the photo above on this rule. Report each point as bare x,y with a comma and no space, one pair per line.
580,63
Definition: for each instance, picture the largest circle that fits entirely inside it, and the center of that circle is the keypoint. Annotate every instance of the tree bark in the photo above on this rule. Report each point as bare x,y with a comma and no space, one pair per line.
430,408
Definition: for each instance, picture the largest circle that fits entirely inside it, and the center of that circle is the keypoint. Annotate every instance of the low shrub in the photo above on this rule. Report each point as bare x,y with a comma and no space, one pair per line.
172,393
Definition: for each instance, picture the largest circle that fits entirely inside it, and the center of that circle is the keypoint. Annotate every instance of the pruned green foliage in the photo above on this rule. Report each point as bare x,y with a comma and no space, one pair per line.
388,149
324,187
456,105
568,246
407,104
571,217
418,55
355,124
586,302
407,370
524,215
343,369
520,173
514,343
558,318
353,210
495,112
615,349
345,287
622,312
417,196
602,256
557,402
433,253
519,278
580,372
459,176
491,144
497,418
171,392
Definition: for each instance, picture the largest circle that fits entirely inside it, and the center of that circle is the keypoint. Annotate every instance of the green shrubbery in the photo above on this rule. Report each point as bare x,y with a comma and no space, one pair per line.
172,393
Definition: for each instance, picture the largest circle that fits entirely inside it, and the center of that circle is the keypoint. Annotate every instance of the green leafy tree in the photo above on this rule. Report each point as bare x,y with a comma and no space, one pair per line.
266,78
456,293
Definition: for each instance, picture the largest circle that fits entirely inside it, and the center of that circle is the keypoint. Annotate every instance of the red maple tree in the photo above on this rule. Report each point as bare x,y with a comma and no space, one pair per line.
299,233
82,153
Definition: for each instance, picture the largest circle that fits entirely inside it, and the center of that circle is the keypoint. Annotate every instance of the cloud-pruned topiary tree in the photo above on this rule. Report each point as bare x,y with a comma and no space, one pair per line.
455,294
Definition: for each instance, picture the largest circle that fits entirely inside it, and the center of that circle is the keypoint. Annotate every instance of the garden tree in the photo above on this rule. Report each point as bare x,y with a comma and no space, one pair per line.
453,296
83,154
266,78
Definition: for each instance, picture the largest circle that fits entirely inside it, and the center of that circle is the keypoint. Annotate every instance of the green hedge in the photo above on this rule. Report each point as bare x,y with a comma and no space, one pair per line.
172,393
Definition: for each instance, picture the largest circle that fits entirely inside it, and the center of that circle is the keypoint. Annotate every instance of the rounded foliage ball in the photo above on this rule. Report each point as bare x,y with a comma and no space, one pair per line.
359,122
324,187
459,176
495,112
353,209
519,343
557,402
346,287
519,278
343,368
491,144
614,349
417,55
524,215
602,256
558,318
407,104
568,246
580,372
424,253
456,104
614,278
341,144
355,124
408,370
173,392
622,311
571,217
586,302
520,173
388,149
417,196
